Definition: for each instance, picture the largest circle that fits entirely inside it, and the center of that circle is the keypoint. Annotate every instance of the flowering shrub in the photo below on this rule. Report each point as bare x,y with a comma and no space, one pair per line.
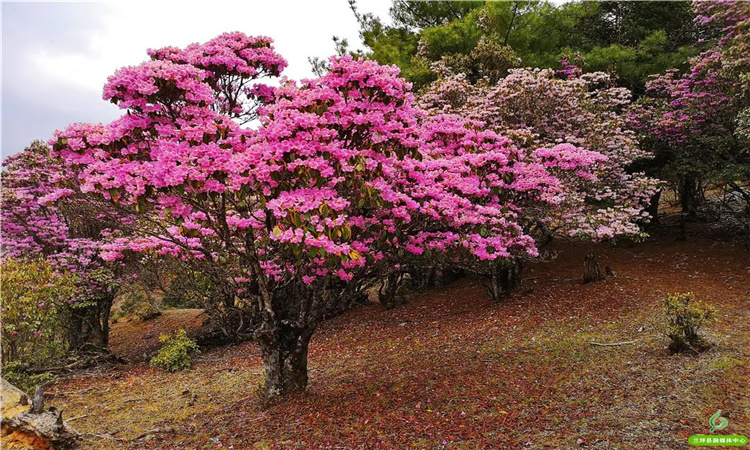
44,214
34,308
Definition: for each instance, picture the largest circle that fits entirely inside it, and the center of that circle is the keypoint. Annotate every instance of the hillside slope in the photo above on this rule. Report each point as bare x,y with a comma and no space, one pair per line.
452,370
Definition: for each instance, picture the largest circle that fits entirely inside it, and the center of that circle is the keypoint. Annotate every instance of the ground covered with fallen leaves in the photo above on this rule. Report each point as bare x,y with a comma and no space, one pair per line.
453,370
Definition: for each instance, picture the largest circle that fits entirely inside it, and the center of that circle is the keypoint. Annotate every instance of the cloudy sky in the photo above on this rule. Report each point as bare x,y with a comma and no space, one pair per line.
57,56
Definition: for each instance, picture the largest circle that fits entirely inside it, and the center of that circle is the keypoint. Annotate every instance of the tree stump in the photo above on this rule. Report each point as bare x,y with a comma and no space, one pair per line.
22,428
592,271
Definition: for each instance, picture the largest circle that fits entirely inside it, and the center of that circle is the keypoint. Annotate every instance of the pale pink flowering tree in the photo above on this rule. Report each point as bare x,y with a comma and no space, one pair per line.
343,181
560,121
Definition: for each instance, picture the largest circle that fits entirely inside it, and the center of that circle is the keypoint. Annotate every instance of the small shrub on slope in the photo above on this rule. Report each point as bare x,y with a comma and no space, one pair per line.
684,320
176,352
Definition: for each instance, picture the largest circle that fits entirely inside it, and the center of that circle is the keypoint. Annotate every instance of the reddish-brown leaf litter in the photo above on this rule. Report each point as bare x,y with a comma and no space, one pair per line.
452,370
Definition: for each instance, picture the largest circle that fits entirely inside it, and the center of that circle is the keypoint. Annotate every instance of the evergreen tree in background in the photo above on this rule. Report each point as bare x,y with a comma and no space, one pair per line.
632,40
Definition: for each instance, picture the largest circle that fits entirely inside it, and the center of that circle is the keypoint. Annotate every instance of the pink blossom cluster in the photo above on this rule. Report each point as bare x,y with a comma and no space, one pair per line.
575,128
231,61
570,67
733,20
44,216
345,175
693,116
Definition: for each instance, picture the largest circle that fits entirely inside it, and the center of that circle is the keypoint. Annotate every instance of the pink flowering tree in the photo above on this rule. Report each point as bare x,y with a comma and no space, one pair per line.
44,215
566,121
572,124
693,122
343,181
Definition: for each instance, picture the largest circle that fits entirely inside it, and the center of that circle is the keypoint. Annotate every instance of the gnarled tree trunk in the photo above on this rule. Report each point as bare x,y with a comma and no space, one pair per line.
284,352
690,192
388,293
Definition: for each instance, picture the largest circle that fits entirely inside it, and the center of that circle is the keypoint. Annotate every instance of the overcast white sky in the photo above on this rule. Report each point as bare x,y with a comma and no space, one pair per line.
57,56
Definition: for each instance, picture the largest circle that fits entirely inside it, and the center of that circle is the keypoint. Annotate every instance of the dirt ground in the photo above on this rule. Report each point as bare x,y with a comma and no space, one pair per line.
453,370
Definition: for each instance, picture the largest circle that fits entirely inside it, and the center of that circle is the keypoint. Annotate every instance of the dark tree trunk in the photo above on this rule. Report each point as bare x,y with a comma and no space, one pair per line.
592,271
284,352
447,276
427,277
89,326
653,208
503,279
689,195
423,277
232,324
388,293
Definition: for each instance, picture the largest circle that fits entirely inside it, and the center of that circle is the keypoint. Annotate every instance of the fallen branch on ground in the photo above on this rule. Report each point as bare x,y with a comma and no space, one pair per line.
77,417
111,436
83,363
151,432
613,344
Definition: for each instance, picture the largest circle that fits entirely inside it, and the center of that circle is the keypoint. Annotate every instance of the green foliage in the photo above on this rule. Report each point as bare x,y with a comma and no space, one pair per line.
176,352
684,318
631,39
14,373
137,302
460,36
416,15
533,28
189,289
398,46
630,23
743,124
34,308
632,65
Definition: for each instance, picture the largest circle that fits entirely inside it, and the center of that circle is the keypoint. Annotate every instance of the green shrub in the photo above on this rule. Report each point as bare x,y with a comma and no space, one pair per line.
684,318
176,352
136,302
14,373
34,310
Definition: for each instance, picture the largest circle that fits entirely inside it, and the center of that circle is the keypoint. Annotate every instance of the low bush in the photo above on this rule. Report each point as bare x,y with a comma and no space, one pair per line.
14,372
35,303
684,319
176,352
188,289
